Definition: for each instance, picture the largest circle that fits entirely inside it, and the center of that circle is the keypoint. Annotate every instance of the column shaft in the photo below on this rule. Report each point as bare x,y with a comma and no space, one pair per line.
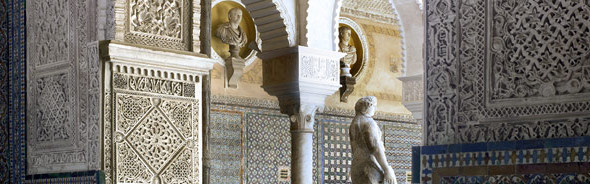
302,157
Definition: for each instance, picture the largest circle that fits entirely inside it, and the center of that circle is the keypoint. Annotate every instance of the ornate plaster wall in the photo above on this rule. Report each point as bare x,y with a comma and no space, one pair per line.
504,70
63,88
506,93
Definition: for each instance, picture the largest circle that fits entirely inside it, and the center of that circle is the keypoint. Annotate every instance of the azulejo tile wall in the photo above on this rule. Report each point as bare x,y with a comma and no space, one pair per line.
16,92
85,177
4,151
265,146
560,160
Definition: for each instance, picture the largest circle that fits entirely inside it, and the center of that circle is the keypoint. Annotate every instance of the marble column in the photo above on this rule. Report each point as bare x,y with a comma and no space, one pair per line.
301,78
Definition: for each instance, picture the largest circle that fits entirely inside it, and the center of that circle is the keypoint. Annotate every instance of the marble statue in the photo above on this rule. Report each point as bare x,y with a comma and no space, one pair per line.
230,32
345,47
369,164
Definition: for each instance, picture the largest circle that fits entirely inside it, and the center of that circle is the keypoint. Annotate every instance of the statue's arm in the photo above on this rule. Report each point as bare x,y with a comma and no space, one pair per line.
373,140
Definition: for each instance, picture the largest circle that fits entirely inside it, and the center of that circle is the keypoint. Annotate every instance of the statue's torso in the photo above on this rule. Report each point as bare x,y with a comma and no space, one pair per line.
364,165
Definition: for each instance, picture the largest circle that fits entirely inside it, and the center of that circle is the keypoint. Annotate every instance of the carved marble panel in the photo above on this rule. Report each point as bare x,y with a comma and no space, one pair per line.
62,88
152,122
156,138
169,24
511,70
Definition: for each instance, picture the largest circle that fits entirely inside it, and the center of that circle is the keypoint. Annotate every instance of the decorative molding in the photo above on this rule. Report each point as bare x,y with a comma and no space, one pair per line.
375,10
402,34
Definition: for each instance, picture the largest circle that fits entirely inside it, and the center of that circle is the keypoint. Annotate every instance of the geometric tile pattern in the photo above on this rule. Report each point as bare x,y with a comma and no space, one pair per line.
226,147
4,151
560,178
266,145
398,139
337,152
269,147
17,90
86,177
513,159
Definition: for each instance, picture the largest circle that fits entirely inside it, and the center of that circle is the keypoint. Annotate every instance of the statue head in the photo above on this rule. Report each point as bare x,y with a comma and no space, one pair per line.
366,105
344,34
235,17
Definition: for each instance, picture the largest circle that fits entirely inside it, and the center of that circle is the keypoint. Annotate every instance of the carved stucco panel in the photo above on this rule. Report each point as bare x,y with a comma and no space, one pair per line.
162,146
169,24
62,88
156,121
520,73
319,69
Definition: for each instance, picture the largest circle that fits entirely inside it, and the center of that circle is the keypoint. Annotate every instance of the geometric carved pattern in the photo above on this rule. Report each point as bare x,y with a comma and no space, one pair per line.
553,48
520,63
63,81
53,110
226,147
155,139
155,145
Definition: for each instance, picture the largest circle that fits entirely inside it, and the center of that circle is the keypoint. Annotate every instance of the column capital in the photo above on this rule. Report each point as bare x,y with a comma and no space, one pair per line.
301,77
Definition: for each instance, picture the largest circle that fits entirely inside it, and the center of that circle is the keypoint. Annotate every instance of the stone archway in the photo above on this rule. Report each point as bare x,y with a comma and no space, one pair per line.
274,26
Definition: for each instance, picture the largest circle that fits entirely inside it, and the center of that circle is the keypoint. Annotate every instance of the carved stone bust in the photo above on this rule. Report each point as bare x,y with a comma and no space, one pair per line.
230,32
345,47
369,164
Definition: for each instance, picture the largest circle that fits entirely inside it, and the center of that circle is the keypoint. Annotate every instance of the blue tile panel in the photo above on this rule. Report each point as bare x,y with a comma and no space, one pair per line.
4,146
16,90
86,177
551,153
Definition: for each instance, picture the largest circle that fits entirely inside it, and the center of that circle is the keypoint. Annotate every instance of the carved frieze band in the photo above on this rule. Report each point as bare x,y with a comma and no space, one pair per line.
520,62
153,85
319,69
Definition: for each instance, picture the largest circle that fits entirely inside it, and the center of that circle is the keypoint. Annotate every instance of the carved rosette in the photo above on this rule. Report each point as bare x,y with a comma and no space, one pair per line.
153,120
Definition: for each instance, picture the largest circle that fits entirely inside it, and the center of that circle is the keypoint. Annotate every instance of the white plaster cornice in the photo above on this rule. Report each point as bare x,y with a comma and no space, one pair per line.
178,61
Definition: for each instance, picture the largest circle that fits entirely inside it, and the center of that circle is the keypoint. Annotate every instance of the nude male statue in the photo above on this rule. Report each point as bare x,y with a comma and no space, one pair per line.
230,32
369,164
